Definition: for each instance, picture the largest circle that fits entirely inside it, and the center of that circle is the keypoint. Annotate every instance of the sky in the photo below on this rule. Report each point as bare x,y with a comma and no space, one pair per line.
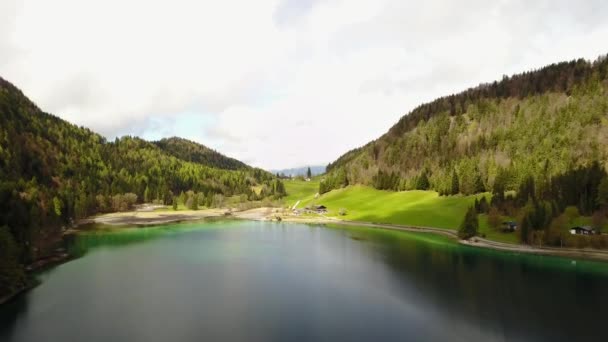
276,83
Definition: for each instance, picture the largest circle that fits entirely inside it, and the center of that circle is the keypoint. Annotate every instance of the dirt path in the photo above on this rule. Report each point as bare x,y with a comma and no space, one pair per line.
587,253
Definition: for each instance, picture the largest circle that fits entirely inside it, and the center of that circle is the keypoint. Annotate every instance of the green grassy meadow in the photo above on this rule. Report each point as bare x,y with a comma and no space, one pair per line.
300,190
415,208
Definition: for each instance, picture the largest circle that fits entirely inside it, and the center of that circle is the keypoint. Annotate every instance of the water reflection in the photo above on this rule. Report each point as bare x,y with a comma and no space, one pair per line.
10,313
254,281
513,295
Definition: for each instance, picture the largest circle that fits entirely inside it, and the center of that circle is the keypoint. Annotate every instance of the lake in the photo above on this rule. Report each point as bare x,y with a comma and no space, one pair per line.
262,281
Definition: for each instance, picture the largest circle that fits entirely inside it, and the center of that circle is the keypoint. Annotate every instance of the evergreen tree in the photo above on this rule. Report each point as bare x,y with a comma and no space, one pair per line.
602,194
12,276
175,203
478,186
195,202
147,195
80,207
470,224
308,173
484,206
524,228
498,190
455,188
526,192
279,189
423,182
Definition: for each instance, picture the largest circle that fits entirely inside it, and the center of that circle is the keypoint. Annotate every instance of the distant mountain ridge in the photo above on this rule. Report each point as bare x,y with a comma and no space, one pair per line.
301,171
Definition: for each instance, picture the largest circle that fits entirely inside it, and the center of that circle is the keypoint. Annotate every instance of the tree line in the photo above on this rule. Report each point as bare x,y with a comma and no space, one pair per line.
543,211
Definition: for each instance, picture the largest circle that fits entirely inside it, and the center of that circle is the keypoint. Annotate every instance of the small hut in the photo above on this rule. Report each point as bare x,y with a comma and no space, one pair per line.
321,209
509,226
582,230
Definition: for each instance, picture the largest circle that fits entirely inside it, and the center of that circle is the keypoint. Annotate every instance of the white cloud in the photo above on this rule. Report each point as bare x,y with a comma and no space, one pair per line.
279,83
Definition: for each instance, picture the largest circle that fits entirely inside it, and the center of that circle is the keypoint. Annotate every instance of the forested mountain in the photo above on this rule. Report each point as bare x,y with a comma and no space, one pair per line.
190,151
542,134
53,172
536,124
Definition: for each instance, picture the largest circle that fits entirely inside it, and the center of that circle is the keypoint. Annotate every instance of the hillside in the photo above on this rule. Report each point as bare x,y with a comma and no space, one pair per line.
536,124
538,141
53,173
190,151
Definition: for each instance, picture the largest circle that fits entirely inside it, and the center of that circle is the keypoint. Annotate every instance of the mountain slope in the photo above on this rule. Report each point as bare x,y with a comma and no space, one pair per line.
190,151
537,124
53,172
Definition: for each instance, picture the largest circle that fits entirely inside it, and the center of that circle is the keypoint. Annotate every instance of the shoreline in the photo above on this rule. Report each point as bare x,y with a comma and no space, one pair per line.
149,218
58,257
156,218
144,219
479,242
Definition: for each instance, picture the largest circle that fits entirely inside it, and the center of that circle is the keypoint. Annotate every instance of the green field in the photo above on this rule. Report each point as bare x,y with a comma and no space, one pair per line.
299,190
415,208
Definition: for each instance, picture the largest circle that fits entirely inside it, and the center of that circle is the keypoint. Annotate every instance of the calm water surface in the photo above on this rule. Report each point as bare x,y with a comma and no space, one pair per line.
255,281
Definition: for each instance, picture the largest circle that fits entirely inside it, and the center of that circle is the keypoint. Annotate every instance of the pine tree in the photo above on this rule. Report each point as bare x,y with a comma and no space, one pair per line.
478,186
524,228
498,190
484,207
470,224
455,189
80,205
12,276
423,182
602,194
279,189
147,195
195,202
308,173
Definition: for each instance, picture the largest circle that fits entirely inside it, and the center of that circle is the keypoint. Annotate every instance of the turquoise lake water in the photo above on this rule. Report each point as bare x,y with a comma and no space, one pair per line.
262,281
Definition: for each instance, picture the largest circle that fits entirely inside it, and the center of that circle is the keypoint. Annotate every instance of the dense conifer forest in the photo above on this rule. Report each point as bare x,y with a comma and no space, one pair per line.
53,173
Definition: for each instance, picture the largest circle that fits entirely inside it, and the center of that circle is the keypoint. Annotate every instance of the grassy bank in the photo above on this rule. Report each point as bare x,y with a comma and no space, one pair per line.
414,208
